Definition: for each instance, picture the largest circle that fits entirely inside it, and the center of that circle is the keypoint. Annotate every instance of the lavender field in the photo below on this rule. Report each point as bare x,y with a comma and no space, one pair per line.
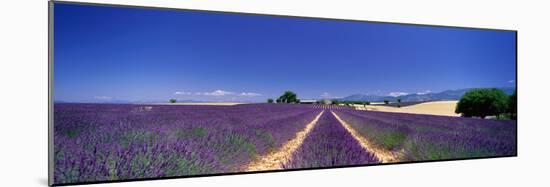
329,144
105,142
415,137
99,142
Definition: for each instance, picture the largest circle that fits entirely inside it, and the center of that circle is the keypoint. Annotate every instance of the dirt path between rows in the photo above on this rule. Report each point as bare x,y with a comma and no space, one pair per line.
274,160
383,155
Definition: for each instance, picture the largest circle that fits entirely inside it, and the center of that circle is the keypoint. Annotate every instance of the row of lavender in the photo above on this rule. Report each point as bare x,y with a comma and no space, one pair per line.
101,142
329,145
428,137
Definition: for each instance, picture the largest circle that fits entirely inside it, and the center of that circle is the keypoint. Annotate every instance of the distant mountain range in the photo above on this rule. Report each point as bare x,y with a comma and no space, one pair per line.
440,96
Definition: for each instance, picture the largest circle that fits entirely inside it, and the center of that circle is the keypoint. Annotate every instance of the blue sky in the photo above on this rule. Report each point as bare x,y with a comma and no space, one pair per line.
107,54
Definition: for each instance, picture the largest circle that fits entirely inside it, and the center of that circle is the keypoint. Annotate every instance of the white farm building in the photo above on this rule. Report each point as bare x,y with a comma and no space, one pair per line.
308,101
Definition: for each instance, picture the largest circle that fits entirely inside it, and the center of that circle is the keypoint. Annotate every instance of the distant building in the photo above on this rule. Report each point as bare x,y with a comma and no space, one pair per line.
325,101
308,101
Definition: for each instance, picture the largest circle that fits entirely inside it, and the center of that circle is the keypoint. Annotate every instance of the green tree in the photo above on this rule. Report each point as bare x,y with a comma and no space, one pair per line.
269,100
513,105
335,102
288,97
173,100
398,102
482,103
386,101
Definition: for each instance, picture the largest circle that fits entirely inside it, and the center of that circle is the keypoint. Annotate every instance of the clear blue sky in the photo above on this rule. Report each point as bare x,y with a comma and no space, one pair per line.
106,54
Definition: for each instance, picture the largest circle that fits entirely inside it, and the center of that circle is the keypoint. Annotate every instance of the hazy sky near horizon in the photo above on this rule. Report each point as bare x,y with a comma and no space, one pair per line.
104,54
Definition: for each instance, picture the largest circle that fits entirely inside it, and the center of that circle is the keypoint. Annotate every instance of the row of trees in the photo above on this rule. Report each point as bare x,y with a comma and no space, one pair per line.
387,102
291,97
487,102
337,102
